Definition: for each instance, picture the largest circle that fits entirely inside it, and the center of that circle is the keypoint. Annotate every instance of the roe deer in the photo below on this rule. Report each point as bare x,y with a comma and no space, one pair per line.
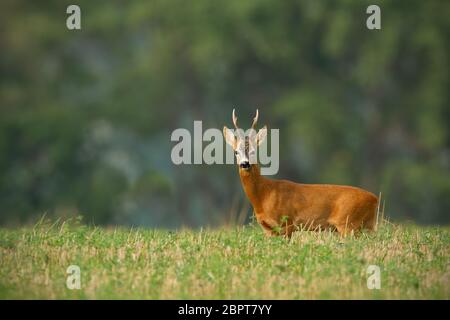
282,206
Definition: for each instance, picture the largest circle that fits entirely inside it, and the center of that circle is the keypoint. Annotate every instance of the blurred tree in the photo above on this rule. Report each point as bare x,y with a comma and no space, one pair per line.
86,115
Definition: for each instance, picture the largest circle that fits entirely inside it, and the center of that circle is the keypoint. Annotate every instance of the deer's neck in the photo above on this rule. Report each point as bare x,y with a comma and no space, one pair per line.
253,183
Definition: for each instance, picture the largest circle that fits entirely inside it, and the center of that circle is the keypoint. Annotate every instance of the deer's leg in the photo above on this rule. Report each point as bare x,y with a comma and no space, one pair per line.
343,218
277,230
270,233
370,216
287,230
345,230
268,230
353,218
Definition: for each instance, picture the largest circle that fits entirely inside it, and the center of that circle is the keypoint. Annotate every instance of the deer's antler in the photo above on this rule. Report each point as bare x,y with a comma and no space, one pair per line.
255,119
235,120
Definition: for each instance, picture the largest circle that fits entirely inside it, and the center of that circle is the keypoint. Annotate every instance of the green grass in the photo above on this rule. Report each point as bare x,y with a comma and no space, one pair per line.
233,263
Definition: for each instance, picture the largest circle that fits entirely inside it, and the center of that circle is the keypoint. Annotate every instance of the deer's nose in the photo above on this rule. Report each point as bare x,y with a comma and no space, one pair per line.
245,165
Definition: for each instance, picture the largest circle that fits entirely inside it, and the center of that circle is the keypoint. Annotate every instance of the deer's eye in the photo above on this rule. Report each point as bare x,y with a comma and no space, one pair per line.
236,153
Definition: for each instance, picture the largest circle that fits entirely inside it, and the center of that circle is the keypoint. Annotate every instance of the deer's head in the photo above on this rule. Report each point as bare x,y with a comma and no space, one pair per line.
243,143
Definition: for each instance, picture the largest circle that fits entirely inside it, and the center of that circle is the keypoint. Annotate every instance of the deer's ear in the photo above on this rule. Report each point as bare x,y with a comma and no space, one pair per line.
262,134
229,137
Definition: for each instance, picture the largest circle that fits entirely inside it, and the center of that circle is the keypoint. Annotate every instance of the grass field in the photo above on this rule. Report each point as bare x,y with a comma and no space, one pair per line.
233,263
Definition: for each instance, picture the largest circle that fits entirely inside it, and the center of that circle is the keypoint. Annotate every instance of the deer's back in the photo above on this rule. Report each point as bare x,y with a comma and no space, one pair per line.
313,202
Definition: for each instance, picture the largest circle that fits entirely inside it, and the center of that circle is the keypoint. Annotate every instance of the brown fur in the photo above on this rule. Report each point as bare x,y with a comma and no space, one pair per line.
283,206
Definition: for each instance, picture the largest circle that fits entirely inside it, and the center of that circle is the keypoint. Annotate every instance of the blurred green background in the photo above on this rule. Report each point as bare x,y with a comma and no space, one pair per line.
86,115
